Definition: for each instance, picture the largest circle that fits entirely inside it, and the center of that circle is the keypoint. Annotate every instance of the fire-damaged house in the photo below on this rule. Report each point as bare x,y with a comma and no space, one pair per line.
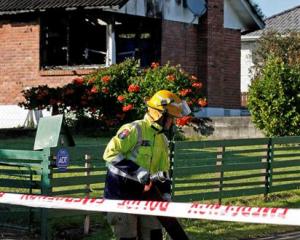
52,41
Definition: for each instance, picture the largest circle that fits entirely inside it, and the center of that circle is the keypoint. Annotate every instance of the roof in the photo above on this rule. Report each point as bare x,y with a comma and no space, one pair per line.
257,17
18,6
241,14
282,22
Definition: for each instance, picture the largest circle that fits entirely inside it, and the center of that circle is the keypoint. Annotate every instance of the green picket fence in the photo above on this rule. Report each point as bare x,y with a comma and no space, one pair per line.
23,171
85,175
202,170
233,168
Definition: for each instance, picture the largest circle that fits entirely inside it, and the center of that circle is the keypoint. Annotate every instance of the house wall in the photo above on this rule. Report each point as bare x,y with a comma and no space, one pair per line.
208,51
232,56
180,45
19,53
19,66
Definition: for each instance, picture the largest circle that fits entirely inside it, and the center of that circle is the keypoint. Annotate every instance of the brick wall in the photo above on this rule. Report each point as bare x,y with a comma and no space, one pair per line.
180,45
19,66
232,69
209,51
19,58
215,53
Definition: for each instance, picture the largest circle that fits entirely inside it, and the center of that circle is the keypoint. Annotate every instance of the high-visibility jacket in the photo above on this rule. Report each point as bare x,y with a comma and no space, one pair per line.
139,145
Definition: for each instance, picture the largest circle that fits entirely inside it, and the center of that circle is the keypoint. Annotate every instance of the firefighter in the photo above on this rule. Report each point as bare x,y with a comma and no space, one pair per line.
139,150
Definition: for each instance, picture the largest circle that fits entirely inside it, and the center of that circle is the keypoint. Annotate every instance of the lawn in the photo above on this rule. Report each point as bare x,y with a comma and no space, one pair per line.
72,223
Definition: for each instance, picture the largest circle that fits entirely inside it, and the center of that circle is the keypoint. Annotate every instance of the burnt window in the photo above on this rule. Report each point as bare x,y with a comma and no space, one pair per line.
72,38
138,37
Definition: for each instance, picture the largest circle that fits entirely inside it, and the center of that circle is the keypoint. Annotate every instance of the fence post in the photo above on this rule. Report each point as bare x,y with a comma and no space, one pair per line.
87,166
268,177
219,163
171,160
45,190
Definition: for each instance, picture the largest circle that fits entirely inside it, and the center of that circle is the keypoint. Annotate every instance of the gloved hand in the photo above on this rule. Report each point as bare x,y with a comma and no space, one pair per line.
143,176
159,176
167,197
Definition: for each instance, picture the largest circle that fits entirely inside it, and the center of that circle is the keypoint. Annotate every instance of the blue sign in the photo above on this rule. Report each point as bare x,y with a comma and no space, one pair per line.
62,159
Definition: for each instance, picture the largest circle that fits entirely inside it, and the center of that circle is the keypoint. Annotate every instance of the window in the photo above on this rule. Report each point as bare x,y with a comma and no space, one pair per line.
72,38
78,38
138,37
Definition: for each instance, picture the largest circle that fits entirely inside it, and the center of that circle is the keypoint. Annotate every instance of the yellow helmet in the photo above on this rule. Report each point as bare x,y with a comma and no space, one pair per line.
166,101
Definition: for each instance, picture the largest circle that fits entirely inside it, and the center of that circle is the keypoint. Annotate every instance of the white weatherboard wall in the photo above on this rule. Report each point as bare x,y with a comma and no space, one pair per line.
247,48
246,64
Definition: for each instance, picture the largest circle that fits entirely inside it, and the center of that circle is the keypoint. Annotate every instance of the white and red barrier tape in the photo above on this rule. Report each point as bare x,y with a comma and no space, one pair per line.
282,216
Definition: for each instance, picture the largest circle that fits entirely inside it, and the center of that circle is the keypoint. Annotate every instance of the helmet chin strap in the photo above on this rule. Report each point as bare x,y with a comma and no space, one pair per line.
160,124
155,125
163,121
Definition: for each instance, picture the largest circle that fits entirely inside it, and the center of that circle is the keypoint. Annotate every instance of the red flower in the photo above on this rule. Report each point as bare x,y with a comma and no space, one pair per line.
94,90
105,79
183,121
197,85
171,77
185,92
154,65
121,98
133,88
78,81
202,102
127,108
105,90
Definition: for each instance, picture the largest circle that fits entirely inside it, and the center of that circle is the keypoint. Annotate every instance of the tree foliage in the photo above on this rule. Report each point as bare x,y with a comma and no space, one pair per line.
274,94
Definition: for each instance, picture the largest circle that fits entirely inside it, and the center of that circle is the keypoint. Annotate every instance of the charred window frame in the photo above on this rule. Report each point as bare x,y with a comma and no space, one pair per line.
138,37
72,38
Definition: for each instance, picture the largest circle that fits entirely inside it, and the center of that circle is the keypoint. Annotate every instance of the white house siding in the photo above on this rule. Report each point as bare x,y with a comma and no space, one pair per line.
246,64
169,10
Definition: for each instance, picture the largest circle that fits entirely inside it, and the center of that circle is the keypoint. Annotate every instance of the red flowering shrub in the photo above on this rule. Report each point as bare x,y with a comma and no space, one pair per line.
117,94
121,98
183,121
133,88
127,108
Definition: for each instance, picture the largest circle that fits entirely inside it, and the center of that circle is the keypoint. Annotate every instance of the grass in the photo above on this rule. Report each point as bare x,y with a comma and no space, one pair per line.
72,222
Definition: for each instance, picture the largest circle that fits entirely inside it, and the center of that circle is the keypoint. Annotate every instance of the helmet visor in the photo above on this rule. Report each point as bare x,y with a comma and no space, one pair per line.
185,109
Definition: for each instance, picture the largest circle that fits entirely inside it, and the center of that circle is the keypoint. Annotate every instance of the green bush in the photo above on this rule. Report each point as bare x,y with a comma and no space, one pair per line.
274,99
117,94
